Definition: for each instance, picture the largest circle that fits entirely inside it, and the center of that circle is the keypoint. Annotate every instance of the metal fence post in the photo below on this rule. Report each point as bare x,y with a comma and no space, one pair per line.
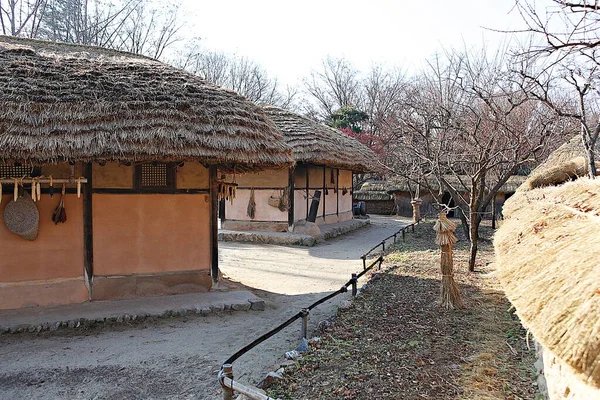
383,245
395,238
412,227
304,312
354,281
404,235
364,258
227,391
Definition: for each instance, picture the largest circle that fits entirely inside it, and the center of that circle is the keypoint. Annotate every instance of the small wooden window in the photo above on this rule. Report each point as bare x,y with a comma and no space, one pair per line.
155,176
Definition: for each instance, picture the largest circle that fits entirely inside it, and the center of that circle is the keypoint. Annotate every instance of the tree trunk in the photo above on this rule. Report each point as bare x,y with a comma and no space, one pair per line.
474,238
450,294
464,223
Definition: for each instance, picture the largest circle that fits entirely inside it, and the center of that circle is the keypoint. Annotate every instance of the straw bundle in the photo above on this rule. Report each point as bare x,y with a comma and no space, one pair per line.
449,294
315,143
548,262
62,102
565,163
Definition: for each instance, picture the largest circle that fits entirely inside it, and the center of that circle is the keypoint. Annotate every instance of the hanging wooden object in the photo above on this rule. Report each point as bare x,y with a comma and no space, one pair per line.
450,294
227,191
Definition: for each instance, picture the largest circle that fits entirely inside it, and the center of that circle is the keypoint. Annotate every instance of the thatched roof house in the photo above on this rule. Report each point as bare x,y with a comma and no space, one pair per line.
319,144
325,161
62,102
142,142
547,257
394,195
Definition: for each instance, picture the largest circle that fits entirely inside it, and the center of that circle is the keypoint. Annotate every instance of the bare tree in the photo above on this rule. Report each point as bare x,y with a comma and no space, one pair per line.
21,17
568,45
335,85
239,74
469,127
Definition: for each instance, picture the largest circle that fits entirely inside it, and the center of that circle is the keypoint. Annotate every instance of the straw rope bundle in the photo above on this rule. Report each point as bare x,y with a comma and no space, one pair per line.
62,102
312,142
548,261
449,293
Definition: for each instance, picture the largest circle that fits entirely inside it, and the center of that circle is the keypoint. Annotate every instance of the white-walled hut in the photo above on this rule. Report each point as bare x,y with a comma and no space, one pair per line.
136,144
325,162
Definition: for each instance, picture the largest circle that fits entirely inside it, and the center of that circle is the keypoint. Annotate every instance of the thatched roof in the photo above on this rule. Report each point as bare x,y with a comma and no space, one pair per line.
62,102
316,143
399,184
547,252
565,163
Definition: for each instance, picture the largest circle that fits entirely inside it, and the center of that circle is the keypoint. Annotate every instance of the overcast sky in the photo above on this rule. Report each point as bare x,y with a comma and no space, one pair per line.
289,38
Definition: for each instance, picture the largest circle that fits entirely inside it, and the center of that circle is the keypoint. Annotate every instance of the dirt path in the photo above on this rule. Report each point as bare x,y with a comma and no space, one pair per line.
179,357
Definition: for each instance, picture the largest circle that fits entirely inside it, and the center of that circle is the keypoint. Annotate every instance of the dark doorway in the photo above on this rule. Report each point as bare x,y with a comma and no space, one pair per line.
449,201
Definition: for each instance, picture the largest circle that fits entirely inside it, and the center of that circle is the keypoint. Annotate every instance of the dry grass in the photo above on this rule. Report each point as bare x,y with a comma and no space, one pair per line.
395,342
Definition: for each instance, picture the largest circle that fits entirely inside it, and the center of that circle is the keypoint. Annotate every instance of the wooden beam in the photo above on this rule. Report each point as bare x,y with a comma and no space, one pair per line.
291,173
337,190
324,190
307,190
88,231
214,230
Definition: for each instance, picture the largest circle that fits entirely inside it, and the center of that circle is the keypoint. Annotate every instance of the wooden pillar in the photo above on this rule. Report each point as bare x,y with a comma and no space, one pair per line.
307,191
324,190
337,191
214,232
416,204
88,236
291,173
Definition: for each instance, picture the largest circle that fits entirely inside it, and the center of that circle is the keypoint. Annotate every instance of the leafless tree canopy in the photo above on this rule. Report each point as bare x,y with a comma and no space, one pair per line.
137,26
239,74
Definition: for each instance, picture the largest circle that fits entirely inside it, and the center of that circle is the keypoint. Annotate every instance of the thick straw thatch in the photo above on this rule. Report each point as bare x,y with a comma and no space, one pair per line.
62,102
549,263
316,143
460,182
565,163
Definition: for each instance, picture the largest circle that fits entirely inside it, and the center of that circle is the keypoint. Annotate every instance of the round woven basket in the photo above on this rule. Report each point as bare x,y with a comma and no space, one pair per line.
22,217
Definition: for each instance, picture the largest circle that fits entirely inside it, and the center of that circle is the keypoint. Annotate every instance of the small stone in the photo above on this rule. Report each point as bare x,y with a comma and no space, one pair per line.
286,363
344,304
31,329
126,318
227,306
280,371
293,355
55,326
217,307
165,314
99,320
78,324
257,305
39,328
198,310
303,346
71,324
181,312
134,317
206,310
271,378
120,319
241,306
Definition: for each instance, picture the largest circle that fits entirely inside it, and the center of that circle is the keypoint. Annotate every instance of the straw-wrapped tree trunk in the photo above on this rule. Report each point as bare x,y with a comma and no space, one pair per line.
450,294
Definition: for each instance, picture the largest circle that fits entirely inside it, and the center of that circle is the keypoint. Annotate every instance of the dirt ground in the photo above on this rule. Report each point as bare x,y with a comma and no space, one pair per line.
179,357
395,342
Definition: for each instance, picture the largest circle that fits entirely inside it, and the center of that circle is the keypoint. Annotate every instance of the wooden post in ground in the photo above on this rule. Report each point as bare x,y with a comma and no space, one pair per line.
88,230
227,391
214,230
416,205
450,294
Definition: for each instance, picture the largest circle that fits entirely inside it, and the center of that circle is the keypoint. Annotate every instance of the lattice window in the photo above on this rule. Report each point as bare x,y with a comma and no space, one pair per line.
13,171
155,175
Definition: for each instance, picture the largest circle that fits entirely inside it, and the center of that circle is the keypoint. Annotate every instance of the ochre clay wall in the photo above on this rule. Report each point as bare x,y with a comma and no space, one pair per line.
150,233
48,270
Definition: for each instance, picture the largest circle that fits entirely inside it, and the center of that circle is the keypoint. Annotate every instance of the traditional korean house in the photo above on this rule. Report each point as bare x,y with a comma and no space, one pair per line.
275,200
134,145
403,191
